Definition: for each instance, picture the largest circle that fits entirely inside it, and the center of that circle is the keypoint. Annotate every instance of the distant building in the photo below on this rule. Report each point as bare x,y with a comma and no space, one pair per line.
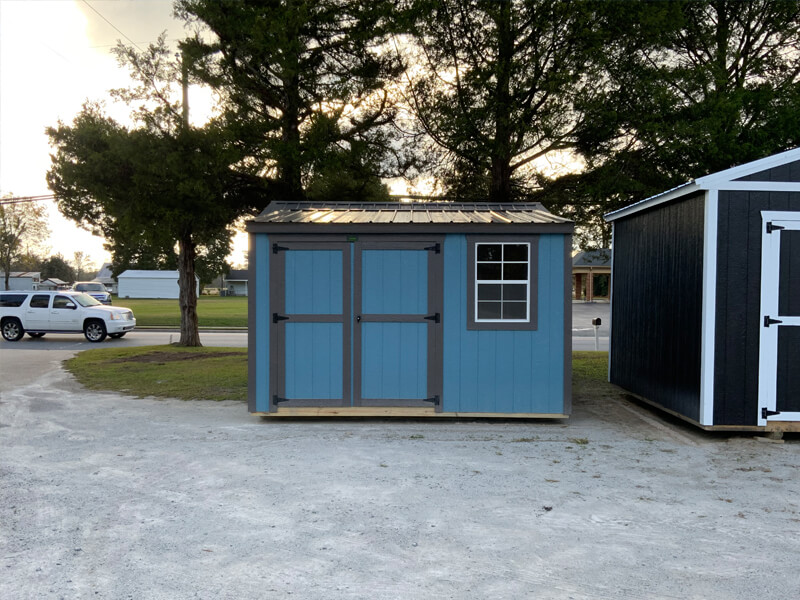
53,284
105,277
150,284
235,282
591,274
21,280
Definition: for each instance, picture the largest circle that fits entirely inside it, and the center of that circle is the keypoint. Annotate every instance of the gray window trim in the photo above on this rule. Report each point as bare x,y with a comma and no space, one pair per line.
533,278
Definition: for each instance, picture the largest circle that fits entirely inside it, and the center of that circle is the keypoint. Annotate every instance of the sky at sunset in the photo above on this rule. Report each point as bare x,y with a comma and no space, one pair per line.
55,55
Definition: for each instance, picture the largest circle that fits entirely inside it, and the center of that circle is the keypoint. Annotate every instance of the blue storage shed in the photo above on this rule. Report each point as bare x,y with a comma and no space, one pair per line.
410,309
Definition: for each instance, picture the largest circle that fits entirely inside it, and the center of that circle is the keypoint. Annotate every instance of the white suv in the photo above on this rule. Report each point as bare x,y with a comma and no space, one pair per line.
37,313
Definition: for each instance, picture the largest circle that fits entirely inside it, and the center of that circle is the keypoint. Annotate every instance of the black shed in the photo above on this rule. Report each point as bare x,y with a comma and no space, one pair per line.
705,301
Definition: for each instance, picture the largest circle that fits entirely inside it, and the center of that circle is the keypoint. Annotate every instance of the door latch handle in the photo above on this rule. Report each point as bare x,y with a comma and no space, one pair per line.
358,318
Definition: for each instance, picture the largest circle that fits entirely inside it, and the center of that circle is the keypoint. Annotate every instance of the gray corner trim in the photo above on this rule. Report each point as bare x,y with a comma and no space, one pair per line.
567,324
533,282
252,302
408,228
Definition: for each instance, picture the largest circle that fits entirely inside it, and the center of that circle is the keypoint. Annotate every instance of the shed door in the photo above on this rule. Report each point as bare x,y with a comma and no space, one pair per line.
779,375
397,323
310,324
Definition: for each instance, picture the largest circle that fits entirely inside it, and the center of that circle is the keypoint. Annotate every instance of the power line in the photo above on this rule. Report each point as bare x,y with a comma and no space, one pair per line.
25,199
112,25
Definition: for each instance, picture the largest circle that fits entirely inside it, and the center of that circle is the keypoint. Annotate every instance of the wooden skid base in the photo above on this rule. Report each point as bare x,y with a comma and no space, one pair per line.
783,426
398,411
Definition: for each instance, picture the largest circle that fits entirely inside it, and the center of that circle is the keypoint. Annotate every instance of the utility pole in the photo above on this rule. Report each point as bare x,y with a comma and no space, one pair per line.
185,85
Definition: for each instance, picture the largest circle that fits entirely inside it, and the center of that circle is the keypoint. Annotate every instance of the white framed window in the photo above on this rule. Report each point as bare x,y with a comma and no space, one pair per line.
502,282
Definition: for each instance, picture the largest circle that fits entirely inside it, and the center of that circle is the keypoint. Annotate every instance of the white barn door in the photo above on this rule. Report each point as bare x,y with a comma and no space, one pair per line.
779,357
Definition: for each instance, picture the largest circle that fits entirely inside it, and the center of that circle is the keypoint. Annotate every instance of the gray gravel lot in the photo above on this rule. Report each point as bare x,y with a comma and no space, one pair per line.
103,496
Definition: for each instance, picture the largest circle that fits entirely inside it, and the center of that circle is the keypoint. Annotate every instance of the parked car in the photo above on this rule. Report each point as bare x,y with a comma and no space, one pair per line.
37,313
95,289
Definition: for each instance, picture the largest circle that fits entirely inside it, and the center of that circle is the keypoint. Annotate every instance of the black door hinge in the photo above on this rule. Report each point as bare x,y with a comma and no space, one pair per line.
435,248
771,227
768,413
277,399
434,400
435,317
276,248
768,321
276,317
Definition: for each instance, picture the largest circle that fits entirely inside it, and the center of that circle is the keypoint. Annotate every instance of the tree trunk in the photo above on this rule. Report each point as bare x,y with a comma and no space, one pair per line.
190,332
500,190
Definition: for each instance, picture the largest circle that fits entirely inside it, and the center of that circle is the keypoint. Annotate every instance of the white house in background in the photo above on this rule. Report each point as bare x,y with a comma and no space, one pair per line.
105,277
235,282
21,280
150,284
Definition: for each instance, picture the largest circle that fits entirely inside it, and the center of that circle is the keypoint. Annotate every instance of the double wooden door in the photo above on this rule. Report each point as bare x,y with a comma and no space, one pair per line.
356,323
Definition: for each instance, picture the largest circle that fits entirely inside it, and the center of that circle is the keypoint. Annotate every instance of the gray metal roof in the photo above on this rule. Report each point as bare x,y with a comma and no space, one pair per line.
408,212
601,257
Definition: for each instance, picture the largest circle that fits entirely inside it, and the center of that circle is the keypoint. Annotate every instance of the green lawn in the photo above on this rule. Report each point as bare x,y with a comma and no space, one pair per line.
221,373
212,311
164,371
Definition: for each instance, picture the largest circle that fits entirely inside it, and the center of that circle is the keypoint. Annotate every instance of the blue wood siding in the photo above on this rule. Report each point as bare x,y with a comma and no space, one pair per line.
504,371
394,281
313,361
313,282
394,360
261,302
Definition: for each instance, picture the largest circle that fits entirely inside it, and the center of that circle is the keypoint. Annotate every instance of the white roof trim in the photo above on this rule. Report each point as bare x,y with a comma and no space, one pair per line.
669,195
718,181
715,179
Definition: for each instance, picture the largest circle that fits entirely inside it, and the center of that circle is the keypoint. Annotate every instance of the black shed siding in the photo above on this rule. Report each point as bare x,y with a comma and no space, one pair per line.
738,304
657,304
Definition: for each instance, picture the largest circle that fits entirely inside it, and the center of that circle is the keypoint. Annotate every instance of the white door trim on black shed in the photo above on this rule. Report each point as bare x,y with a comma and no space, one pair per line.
774,222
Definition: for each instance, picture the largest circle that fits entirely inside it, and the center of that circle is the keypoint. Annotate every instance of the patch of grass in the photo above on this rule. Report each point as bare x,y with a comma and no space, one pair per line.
212,311
590,375
164,371
589,366
221,373
579,441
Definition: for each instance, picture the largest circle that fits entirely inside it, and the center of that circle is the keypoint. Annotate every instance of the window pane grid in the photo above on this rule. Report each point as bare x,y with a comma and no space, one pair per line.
502,282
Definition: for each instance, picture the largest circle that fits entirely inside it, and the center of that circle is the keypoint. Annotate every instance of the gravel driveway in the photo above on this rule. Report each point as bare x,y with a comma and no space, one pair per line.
103,496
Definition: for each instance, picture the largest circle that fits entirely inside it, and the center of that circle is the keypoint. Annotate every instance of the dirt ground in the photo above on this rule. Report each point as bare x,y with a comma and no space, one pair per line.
104,496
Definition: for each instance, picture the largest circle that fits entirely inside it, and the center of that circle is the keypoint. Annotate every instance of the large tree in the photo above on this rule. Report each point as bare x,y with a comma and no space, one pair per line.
305,87
158,185
23,226
701,86
57,267
497,86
